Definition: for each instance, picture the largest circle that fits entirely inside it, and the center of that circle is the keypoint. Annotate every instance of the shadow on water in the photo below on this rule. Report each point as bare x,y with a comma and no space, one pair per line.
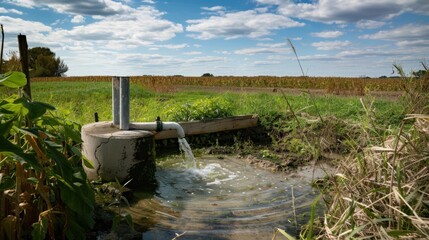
221,199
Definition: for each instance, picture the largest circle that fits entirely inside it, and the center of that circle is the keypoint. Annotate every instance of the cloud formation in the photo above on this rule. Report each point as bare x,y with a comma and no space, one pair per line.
86,8
327,34
243,24
331,45
353,11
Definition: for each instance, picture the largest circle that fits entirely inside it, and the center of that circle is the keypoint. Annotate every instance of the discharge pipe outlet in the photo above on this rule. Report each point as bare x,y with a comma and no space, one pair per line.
158,126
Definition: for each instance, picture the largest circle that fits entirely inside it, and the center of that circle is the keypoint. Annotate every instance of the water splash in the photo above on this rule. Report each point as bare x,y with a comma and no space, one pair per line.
190,159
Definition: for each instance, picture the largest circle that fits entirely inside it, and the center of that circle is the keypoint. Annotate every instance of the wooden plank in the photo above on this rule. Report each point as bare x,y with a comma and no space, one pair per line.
211,126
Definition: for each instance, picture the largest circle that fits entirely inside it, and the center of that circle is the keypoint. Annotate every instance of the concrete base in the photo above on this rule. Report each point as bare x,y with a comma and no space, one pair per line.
119,154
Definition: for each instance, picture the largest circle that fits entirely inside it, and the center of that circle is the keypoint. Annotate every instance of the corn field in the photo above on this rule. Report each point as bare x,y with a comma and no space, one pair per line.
333,85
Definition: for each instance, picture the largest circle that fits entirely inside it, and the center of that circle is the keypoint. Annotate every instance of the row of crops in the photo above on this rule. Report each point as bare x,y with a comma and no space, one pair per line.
334,85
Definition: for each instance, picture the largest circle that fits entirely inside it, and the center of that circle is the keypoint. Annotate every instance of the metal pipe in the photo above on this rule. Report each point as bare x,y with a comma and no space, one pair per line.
154,126
124,110
115,100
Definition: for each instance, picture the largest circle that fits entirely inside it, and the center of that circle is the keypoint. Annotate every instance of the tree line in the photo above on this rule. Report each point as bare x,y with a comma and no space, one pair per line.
42,63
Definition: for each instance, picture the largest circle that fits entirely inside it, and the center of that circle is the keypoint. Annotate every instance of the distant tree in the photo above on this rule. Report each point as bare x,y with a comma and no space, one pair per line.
43,63
12,63
420,73
207,75
384,76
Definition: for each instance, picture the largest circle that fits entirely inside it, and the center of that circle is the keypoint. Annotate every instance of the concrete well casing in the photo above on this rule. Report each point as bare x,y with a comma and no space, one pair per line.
119,154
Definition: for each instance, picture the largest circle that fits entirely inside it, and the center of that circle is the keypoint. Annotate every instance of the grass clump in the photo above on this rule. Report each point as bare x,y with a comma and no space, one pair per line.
381,191
201,109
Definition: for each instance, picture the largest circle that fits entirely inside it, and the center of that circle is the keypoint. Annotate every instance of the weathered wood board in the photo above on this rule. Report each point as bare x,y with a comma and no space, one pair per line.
211,126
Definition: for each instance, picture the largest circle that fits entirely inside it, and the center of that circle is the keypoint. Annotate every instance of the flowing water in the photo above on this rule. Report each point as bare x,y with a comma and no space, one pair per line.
224,198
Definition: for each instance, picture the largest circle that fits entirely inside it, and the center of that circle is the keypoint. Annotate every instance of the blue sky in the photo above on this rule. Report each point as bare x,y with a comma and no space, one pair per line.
225,37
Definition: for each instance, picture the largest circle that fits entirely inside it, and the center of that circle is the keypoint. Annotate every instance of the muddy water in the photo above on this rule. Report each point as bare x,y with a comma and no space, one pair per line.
222,199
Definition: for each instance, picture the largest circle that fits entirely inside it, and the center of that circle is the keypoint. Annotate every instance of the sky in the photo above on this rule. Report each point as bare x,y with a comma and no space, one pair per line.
339,38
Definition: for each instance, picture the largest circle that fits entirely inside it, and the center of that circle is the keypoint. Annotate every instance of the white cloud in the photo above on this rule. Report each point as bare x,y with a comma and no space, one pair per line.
205,59
267,62
214,8
92,8
272,45
249,24
262,50
331,45
318,57
192,53
149,1
327,34
35,31
340,11
141,26
78,19
406,32
14,11
369,24
173,46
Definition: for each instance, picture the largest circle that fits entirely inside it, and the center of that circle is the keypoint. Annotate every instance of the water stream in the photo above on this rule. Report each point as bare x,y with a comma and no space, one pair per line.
224,198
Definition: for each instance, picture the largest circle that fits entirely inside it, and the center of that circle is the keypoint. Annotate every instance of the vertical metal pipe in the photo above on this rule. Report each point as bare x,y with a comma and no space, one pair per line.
115,100
124,118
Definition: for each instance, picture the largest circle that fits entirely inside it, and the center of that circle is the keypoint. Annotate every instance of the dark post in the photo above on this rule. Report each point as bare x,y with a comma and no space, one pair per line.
2,45
23,53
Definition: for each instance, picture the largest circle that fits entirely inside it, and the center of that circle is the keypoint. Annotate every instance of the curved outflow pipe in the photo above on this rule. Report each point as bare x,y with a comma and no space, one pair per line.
158,126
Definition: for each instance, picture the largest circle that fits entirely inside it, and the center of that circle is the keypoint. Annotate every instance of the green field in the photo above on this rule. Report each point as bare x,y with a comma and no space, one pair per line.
78,101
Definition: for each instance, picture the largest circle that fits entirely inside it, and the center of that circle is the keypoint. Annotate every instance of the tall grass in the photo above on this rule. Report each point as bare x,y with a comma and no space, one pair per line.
382,191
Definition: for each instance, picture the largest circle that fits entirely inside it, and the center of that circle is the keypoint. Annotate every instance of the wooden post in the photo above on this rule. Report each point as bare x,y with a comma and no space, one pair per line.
2,45
23,53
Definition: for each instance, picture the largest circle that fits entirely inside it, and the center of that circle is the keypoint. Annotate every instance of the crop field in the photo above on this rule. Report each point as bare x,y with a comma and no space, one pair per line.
79,100
332,85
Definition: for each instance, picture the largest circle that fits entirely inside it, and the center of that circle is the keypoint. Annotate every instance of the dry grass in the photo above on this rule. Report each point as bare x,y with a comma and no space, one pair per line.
383,192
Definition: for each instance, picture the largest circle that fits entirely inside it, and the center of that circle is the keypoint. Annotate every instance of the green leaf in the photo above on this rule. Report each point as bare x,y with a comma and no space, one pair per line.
72,133
16,107
129,220
87,163
8,148
13,79
6,182
6,126
40,229
399,233
37,109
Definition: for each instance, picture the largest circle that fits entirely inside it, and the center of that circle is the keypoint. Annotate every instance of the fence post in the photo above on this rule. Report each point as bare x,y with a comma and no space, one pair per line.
23,53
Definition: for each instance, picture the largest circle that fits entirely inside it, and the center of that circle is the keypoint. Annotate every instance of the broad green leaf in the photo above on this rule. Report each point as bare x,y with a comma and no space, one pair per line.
72,133
9,148
40,229
37,109
6,182
13,79
6,126
87,163
16,107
